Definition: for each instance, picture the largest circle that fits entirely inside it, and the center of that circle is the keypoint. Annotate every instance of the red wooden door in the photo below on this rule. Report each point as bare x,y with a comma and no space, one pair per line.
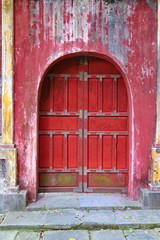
83,128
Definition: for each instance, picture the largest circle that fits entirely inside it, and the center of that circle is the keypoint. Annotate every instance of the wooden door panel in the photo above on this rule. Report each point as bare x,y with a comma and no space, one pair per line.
108,86
56,181
122,152
107,152
100,66
72,99
58,151
73,151
107,180
122,103
94,95
93,151
68,123
44,151
97,124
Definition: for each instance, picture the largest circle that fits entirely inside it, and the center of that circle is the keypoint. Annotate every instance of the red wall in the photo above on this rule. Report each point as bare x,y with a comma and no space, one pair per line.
47,30
0,69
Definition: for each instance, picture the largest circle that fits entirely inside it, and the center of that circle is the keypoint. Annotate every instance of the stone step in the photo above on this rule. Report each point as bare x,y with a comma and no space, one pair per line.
62,219
92,201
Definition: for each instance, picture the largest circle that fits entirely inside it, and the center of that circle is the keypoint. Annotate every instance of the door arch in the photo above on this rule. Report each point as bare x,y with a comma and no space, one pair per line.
83,127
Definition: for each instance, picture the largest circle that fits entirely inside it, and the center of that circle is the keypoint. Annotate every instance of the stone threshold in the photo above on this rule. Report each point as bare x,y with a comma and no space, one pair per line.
92,201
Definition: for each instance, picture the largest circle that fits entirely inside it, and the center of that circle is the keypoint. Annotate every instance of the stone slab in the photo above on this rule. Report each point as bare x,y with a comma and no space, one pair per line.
141,235
24,219
84,201
66,235
150,199
28,236
107,235
81,219
13,201
8,235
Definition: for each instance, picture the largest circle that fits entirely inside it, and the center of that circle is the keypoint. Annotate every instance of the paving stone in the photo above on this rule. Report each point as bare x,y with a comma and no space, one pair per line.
28,235
67,219
8,235
66,235
107,235
141,235
137,218
24,219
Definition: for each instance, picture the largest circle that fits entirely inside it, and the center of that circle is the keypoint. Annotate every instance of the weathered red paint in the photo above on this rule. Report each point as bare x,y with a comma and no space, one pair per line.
0,68
83,128
123,33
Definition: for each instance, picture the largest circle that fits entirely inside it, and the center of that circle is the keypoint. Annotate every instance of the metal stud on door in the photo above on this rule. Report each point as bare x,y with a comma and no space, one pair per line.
83,138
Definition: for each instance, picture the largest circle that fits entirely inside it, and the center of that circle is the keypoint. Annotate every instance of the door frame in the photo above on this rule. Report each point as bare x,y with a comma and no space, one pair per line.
119,66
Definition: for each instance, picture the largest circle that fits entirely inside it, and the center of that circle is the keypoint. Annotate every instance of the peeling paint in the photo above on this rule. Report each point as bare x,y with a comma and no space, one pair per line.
151,3
7,72
10,155
83,20
155,177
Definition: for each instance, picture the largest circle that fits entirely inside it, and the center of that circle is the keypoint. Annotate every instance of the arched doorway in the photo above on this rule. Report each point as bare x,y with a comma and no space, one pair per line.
83,128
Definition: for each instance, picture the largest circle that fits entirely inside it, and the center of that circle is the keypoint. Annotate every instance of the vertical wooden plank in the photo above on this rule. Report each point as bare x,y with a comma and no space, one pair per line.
100,151
58,151
100,94
65,149
51,160
115,95
107,152
51,94
65,94
92,152
114,152
93,94
108,95
122,152
73,95
122,103
59,94
73,151
44,151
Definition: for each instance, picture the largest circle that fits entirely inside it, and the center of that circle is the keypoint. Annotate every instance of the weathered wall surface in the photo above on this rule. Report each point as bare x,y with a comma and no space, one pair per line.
0,69
46,30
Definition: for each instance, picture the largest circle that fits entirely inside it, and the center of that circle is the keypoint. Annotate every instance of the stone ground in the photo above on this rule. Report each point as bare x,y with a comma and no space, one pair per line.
129,234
